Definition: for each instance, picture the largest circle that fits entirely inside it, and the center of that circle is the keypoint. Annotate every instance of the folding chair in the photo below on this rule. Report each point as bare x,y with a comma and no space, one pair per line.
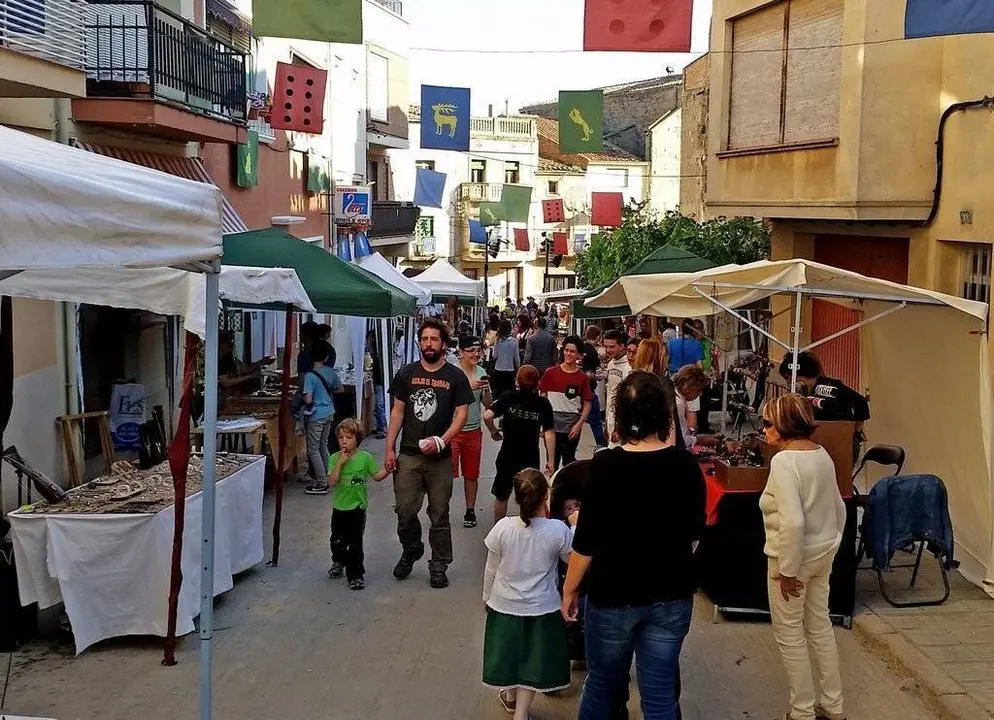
913,490
880,455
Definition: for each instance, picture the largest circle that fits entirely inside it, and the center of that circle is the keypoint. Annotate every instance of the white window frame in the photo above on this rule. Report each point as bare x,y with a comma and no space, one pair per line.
378,102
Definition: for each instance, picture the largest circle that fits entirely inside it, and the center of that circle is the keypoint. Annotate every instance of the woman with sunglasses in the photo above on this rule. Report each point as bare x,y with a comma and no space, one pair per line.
804,517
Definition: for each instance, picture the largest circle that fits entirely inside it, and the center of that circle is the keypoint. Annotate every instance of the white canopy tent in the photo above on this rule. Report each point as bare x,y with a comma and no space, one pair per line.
381,268
63,209
443,280
560,295
934,399
166,291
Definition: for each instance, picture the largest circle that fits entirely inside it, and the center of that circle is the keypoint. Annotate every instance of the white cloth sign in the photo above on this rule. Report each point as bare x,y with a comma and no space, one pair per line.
127,412
112,571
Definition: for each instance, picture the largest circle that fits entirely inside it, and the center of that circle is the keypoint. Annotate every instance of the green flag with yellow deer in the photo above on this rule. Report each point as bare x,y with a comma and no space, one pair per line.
581,121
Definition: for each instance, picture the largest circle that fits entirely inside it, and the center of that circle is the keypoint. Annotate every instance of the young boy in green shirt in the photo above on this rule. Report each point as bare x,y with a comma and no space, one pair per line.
349,471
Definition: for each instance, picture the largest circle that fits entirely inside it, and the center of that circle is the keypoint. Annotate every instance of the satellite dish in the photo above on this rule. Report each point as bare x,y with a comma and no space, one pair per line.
670,70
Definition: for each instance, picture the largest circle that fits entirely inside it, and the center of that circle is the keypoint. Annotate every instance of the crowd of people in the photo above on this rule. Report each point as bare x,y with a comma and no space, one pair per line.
598,564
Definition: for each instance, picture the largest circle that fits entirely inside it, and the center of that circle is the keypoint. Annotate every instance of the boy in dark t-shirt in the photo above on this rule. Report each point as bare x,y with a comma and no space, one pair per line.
526,416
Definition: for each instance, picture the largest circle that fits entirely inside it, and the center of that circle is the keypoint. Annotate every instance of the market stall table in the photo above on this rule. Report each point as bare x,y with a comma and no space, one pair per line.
112,570
250,426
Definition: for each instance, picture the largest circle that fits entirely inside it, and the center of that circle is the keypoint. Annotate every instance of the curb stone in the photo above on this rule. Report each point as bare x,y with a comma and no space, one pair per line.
941,691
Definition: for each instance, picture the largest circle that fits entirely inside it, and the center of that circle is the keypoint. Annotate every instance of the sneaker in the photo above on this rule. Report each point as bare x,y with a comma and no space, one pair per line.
469,519
316,489
439,579
406,564
357,584
821,714
337,570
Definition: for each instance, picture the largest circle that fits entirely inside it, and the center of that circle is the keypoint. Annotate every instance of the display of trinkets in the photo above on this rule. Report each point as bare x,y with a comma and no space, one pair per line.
128,489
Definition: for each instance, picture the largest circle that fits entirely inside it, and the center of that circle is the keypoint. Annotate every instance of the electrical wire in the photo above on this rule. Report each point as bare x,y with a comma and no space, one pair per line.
565,51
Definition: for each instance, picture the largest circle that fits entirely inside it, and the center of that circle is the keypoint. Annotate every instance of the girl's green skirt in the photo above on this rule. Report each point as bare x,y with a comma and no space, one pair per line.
528,652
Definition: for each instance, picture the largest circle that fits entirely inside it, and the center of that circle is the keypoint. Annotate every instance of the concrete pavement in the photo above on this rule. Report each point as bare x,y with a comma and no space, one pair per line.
292,644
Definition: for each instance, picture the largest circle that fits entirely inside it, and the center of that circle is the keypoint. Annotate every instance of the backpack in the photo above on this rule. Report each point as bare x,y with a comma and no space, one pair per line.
298,408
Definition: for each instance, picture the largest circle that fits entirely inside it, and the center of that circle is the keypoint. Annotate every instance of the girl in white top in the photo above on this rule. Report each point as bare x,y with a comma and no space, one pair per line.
804,517
525,646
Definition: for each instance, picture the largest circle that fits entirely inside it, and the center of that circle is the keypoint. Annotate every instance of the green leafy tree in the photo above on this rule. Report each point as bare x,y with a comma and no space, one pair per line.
723,241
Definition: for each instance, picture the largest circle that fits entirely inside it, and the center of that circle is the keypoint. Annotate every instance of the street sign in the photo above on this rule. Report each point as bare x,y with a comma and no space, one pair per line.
353,204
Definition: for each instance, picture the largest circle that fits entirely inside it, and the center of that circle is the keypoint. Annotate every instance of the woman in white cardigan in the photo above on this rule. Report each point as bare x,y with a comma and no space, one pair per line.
804,518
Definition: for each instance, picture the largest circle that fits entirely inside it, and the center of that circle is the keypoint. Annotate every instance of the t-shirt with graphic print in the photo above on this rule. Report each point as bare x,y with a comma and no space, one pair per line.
566,392
430,401
526,415
352,490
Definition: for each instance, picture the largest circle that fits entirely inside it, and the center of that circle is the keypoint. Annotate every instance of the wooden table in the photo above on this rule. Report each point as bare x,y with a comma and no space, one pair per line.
257,429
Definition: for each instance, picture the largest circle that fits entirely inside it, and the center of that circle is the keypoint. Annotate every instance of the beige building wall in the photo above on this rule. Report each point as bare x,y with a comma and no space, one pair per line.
694,137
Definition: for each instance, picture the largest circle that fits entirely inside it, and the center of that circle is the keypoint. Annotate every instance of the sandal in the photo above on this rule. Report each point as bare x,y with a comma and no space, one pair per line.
508,704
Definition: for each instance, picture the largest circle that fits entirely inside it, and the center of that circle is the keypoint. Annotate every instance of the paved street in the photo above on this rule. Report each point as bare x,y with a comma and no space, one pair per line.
292,644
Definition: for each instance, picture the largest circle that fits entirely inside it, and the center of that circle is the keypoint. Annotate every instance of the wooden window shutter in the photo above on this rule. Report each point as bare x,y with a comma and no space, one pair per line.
814,71
757,78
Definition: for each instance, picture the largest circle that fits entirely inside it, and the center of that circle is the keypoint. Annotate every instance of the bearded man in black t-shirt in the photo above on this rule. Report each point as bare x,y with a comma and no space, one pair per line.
431,401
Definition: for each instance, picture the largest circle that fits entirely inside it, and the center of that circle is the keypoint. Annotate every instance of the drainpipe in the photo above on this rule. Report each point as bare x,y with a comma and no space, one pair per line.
62,115
940,148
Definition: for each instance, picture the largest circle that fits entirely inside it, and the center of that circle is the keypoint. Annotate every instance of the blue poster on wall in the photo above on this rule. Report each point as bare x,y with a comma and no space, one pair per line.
930,18
444,118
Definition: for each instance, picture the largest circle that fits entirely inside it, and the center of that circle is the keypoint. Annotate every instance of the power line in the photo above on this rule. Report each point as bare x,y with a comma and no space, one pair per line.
565,51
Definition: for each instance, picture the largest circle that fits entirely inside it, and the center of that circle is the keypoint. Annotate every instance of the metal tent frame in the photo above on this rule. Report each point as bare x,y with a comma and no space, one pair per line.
798,294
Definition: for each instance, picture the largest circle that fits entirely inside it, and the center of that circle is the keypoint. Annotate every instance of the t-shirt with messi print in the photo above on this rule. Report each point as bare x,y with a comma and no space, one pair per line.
430,401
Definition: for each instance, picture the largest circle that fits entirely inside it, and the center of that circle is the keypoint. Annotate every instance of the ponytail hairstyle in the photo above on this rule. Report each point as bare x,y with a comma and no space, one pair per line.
530,490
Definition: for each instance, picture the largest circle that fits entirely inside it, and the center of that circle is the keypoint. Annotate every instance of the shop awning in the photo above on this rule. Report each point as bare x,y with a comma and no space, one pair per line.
184,167
666,259
333,286
64,207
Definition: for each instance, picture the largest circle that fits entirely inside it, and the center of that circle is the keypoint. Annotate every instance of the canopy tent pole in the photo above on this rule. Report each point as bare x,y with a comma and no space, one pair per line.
386,359
281,418
796,341
209,498
861,323
741,317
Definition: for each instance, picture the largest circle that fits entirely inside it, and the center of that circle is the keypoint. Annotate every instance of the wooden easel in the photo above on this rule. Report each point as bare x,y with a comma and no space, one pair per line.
72,425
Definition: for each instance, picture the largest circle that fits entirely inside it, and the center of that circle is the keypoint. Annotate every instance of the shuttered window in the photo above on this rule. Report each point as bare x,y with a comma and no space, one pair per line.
786,74
757,68
814,70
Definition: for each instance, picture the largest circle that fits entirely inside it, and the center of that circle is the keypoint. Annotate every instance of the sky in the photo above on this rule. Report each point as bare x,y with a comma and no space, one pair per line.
523,76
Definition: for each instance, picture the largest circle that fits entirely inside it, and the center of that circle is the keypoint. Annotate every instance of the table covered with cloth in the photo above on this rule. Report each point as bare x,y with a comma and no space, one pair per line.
112,570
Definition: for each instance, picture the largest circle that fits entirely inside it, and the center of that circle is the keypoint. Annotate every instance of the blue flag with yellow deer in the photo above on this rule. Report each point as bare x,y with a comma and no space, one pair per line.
581,121
444,118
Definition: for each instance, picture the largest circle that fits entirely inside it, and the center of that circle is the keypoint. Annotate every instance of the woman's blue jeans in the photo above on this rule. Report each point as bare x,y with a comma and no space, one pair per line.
654,635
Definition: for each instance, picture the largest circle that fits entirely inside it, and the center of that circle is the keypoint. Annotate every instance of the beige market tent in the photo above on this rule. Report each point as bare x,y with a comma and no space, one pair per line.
924,358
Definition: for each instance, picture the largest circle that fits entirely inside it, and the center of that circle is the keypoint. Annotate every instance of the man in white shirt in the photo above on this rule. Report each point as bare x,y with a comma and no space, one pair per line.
617,370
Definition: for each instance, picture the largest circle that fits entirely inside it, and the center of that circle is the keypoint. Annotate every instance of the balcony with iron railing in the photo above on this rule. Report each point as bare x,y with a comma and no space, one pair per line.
393,219
137,50
44,48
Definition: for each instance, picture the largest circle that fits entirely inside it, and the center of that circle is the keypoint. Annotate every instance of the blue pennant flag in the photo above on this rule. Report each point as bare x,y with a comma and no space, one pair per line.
429,187
344,248
477,233
930,18
444,118
362,248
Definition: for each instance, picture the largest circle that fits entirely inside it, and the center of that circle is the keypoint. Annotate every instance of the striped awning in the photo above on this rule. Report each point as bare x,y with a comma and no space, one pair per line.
184,167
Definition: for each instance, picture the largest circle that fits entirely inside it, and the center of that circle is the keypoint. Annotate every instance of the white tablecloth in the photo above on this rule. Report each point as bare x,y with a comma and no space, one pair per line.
112,571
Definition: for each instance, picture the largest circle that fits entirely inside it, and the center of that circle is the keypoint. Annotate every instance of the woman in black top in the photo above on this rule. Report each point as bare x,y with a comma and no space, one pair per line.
644,508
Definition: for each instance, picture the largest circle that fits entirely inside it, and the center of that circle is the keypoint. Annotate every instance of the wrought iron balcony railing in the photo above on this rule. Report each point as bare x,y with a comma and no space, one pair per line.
137,48
391,219
48,29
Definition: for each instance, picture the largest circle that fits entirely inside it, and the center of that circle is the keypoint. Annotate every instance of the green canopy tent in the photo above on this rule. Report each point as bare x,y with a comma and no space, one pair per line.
335,287
665,259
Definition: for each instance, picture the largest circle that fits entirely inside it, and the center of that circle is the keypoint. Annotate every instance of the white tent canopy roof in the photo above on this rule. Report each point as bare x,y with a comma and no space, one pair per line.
65,207
381,268
565,294
166,291
679,294
444,280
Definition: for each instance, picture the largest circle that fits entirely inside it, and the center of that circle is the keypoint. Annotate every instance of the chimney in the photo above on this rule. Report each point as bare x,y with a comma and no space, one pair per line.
490,110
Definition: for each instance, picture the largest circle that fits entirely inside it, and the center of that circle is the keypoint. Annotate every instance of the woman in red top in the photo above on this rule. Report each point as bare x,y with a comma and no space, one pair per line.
568,390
